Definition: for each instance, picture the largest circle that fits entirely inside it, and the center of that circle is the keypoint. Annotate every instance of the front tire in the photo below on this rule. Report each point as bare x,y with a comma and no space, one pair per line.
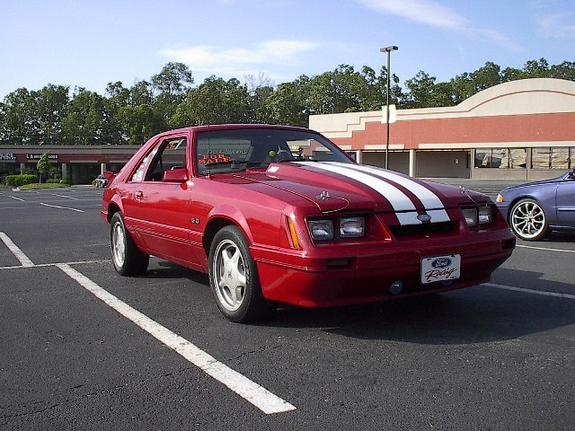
234,278
528,220
127,257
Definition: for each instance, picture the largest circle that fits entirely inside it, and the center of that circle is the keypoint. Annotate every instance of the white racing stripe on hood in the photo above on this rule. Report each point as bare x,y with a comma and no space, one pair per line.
398,200
431,202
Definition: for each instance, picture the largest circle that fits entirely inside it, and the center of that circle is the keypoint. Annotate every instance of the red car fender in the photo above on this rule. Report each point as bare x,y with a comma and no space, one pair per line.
233,216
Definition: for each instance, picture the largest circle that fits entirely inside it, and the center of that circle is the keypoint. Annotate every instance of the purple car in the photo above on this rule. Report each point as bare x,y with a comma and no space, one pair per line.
533,209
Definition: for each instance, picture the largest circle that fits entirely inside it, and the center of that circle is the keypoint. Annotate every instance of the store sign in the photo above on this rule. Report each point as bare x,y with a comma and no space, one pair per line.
7,156
39,156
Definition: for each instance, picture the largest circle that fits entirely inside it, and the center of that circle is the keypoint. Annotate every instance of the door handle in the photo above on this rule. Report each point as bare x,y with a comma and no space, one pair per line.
139,195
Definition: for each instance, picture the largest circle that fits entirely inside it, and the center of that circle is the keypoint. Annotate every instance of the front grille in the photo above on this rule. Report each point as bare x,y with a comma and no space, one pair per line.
424,229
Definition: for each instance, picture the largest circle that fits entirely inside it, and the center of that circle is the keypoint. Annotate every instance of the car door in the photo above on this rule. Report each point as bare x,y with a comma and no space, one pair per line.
566,202
163,204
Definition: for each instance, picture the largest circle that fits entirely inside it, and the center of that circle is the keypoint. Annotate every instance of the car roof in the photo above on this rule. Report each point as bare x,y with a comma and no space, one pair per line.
205,128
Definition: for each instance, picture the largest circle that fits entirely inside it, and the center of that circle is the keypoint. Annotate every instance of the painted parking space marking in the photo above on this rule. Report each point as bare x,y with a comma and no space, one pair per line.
241,385
61,207
559,250
252,392
48,265
66,197
531,291
16,198
19,254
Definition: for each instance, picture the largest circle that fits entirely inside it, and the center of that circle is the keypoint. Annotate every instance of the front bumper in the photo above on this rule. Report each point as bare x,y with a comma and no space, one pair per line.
323,279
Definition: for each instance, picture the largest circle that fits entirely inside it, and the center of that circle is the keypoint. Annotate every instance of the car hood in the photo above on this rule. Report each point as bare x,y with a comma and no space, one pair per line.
338,186
533,184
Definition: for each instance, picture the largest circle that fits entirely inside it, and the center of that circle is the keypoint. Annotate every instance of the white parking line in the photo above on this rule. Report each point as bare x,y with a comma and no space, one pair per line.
560,250
66,197
532,291
22,258
62,208
47,265
241,385
17,198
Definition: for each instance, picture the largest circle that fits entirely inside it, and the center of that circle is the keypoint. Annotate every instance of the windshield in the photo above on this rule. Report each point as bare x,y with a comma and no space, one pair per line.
225,151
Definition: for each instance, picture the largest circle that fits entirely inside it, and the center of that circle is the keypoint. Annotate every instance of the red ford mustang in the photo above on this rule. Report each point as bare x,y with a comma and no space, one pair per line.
281,215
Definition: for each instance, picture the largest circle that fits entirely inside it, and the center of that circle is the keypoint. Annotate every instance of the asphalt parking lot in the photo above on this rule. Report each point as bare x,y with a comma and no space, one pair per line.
84,348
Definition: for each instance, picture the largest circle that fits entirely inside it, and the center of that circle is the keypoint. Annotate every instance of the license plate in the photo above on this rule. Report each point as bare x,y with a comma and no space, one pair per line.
440,268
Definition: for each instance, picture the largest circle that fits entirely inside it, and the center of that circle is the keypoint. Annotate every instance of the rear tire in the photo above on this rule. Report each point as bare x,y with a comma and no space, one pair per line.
234,277
126,256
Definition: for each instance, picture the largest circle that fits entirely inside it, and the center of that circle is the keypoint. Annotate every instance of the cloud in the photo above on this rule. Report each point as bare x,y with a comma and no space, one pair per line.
556,26
240,61
421,11
435,15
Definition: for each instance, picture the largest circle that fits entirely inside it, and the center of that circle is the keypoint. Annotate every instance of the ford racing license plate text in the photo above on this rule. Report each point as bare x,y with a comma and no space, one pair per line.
440,268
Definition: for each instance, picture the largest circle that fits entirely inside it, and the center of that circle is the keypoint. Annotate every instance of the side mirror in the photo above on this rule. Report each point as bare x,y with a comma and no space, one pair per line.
571,174
178,175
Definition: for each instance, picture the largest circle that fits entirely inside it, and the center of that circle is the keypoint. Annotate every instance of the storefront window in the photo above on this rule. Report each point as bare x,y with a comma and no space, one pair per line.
552,158
502,158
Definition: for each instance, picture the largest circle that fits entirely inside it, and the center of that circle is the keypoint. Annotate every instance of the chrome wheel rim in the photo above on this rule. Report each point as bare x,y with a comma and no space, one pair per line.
229,274
528,219
118,245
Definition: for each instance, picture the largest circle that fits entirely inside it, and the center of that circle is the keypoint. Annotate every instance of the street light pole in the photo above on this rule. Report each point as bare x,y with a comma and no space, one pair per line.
388,50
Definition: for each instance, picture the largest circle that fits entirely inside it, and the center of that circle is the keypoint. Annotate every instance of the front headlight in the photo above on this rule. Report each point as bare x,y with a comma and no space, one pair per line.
352,227
500,199
321,230
470,215
485,215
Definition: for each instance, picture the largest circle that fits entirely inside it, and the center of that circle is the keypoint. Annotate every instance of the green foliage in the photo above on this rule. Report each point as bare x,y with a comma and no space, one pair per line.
88,120
20,180
131,115
43,166
216,101
37,186
33,117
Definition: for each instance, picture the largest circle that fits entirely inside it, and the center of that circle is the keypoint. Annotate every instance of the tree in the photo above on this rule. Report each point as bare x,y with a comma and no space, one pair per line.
43,166
424,92
216,101
565,70
34,117
134,113
174,81
536,69
170,87
88,120
139,123
288,103
259,89
487,76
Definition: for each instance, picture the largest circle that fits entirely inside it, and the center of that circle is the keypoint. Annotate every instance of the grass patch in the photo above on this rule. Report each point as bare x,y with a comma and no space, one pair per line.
43,186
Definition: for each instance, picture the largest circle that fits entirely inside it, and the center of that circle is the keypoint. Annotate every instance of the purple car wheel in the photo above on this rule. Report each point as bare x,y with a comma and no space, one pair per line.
527,220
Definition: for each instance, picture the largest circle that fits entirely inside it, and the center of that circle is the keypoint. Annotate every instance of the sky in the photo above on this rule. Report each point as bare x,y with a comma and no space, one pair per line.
88,43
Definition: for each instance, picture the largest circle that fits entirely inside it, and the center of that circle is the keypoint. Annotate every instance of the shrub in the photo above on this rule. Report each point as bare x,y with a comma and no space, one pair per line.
20,180
54,180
